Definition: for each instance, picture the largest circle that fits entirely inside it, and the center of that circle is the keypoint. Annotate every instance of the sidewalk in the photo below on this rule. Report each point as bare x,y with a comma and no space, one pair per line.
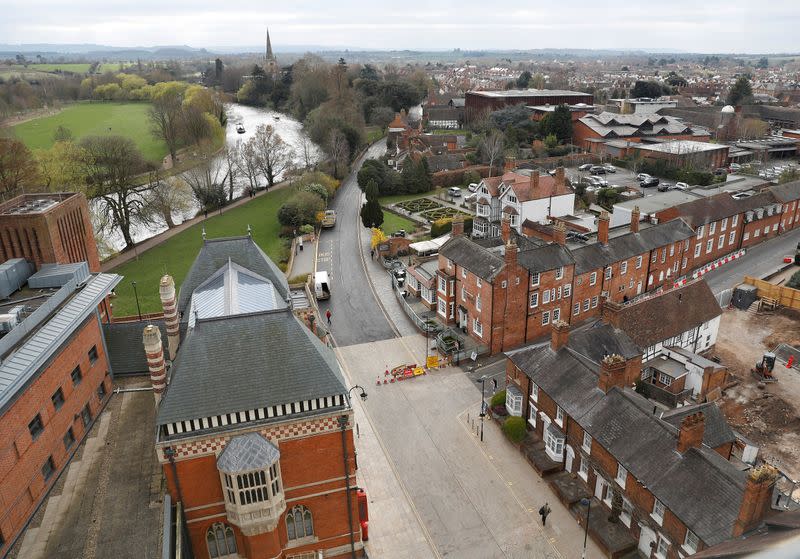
156,240
304,260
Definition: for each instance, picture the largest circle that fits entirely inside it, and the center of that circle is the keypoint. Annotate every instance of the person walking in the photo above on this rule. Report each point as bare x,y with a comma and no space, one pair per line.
328,316
372,254
543,512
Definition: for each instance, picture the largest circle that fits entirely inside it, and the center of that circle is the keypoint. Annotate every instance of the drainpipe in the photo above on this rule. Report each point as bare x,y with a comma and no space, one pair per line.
169,452
343,424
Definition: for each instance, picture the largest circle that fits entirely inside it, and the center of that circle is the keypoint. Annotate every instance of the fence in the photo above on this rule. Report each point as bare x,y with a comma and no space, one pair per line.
785,296
425,325
663,396
724,298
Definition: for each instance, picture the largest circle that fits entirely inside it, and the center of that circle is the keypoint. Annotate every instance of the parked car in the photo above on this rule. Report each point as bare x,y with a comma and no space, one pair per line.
665,186
648,182
473,186
720,172
400,233
642,176
609,168
454,192
552,172
681,186
597,170
585,167
735,167
599,181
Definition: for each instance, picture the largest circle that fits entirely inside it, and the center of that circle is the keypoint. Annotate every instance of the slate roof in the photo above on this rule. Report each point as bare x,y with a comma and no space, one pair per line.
599,339
719,206
246,453
669,314
699,486
480,261
125,349
215,254
244,362
716,433
613,125
787,192
543,258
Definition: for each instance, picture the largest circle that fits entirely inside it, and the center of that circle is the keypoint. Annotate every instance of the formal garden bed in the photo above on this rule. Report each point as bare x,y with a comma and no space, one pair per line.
419,205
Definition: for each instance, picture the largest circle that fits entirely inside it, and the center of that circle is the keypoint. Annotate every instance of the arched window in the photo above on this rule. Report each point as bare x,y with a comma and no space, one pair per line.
221,541
299,523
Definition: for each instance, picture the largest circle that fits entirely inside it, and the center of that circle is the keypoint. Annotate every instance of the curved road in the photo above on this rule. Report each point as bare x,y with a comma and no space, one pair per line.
356,315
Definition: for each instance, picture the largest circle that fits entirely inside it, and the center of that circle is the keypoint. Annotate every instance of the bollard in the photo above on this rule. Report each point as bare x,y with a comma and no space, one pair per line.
358,432
467,417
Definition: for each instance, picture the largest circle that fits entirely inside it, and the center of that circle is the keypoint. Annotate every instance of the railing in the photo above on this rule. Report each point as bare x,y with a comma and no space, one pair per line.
429,326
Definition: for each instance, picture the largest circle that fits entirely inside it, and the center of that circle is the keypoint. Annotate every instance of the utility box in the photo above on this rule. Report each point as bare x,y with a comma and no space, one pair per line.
744,296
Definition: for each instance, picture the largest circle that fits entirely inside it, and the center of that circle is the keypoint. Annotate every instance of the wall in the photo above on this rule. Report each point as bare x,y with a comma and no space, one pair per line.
786,296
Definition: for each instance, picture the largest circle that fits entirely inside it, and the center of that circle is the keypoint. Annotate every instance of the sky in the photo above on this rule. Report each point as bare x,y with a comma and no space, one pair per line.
743,26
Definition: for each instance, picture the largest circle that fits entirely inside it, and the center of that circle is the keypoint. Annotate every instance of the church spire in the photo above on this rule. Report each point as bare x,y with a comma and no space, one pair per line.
270,56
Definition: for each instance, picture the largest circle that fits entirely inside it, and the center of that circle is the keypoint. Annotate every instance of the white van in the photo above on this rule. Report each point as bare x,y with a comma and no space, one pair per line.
322,286
454,192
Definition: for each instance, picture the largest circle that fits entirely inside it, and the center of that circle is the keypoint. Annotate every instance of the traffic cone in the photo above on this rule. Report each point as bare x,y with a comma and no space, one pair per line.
391,380
385,381
379,381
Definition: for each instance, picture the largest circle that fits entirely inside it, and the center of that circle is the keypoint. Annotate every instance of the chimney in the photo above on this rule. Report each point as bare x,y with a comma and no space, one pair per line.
756,500
635,216
612,372
166,290
559,335
691,431
610,312
560,176
510,164
154,350
511,253
458,225
505,228
534,181
560,233
602,228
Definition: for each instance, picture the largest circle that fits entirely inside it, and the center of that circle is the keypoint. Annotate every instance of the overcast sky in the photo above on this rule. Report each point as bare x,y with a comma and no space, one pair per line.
693,25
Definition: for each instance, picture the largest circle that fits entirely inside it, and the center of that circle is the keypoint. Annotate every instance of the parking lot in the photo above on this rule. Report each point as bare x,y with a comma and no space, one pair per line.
622,178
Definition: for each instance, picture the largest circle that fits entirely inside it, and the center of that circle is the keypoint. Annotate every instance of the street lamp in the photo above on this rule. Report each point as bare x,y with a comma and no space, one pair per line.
588,504
136,294
343,424
483,380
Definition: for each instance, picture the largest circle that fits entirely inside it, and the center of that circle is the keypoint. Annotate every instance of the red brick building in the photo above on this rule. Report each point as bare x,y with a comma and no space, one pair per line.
591,130
255,427
484,102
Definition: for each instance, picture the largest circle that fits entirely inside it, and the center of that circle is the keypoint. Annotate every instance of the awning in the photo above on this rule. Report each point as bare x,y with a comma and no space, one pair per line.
429,246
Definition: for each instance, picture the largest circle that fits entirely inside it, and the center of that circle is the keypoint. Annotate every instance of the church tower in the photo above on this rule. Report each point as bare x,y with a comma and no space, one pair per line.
270,63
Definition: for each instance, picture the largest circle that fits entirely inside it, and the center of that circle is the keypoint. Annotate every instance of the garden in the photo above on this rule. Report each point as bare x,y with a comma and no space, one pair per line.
419,205
441,213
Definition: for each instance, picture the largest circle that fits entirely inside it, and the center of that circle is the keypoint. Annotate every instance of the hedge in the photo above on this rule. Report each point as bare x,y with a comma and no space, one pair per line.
514,429
499,398
445,225
456,176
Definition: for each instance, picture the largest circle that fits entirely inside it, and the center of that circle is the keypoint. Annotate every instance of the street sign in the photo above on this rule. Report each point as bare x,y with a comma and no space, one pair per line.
432,361
474,355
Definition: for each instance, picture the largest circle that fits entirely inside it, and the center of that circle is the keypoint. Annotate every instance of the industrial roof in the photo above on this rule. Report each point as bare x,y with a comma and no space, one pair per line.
528,93
34,352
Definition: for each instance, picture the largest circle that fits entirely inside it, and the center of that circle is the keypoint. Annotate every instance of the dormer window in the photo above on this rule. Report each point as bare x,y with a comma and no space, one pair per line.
512,198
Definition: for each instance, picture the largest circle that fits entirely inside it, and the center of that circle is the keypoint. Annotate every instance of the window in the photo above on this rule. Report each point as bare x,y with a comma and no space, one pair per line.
101,391
477,327
221,541
622,475
608,272
721,241
556,314
463,294
442,285
775,227
709,245
630,283
734,220
593,278
76,375
766,230
86,416
627,512
449,263
69,439
545,296
559,272
724,224
48,468
442,307
559,416
623,268
58,399
672,250
299,523
514,402
512,198
554,445
663,547
594,301
587,442
576,309
36,427
638,262
532,411
663,255
463,273
731,237
697,250
585,305
756,233
534,300
534,279
93,355
478,302
658,511
712,227
568,290
503,284
583,470
684,263
700,232
478,282
545,318
655,255
746,236
691,542
664,379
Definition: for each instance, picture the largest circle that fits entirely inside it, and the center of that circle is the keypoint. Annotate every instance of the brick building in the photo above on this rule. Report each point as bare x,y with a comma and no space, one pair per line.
788,194
55,379
668,473
484,102
48,228
254,431
591,131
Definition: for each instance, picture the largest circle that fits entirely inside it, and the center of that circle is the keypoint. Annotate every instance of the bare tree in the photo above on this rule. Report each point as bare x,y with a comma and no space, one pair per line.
166,118
168,197
274,155
308,149
492,147
17,167
207,183
230,159
247,163
339,150
118,177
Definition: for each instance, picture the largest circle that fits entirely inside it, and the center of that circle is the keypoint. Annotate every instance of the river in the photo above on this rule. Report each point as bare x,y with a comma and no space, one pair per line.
288,128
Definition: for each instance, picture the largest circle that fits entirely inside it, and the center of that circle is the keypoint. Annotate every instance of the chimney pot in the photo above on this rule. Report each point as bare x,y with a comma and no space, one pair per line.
612,372
457,225
635,217
757,498
154,351
511,253
690,434
611,312
559,335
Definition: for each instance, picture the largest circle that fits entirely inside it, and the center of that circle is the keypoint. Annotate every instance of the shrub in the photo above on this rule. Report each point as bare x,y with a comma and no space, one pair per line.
498,398
514,429
318,189
794,281
445,225
300,209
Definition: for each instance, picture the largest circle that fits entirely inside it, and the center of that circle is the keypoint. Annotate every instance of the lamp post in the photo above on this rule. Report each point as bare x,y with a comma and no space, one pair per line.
588,504
482,380
343,424
136,294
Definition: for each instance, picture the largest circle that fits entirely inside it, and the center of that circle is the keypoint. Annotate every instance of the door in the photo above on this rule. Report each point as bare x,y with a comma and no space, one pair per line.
570,457
647,540
598,488
639,288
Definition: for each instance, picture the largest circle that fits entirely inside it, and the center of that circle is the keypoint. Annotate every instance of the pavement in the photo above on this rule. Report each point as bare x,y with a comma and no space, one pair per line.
304,260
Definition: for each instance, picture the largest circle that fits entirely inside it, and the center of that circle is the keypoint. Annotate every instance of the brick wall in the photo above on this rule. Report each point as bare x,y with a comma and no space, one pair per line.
667,264
760,230
712,232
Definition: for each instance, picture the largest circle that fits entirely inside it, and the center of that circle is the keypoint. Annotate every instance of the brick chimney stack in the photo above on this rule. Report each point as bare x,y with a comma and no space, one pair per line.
166,290
612,372
560,176
610,312
691,432
635,216
560,233
505,229
602,228
534,181
458,225
559,335
511,253
756,500
154,350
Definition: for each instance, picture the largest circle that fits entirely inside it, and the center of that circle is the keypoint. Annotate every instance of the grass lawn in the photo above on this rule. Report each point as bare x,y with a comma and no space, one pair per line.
98,118
374,133
175,256
449,132
386,200
393,222
77,68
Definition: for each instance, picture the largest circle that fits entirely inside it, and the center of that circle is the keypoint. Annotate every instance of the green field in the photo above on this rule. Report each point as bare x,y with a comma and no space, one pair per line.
97,118
175,256
76,67
393,222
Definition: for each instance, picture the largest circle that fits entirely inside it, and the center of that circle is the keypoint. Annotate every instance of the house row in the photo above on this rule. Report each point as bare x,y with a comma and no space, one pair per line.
667,475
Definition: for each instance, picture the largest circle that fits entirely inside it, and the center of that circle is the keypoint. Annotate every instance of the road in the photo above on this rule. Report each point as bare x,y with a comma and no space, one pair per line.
356,316
760,260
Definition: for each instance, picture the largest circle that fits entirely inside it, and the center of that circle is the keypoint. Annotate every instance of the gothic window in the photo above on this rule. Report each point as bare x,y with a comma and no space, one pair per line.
299,523
220,540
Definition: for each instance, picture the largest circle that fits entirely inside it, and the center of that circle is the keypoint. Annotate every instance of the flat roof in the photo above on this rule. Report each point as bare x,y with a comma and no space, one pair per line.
528,93
681,147
28,204
657,202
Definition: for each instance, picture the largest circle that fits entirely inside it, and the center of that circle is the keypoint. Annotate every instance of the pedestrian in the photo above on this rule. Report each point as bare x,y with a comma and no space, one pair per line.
543,512
372,254
328,316
205,213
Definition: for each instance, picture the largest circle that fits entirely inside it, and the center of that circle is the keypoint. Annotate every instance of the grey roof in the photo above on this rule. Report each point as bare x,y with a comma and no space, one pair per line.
482,262
245,362
543,258
56,275
786,192
599,339
39,347
246,453
717,431
699,486
125,349
528,93
215,254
